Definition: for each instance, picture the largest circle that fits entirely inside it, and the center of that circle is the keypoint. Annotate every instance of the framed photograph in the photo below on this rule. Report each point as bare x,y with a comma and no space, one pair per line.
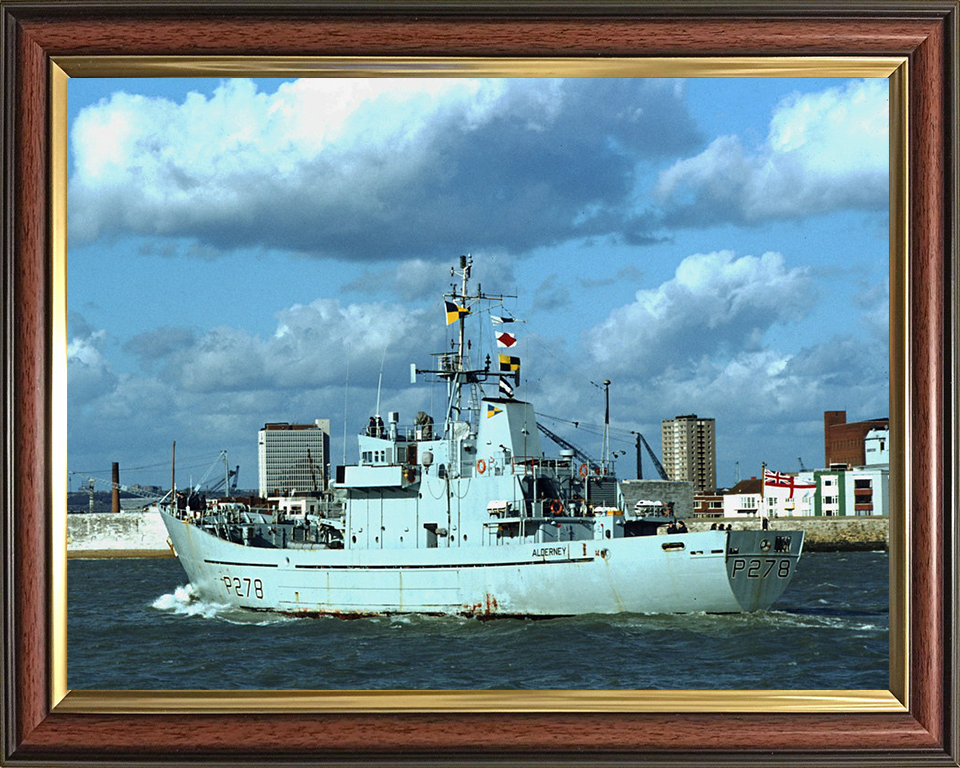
49,49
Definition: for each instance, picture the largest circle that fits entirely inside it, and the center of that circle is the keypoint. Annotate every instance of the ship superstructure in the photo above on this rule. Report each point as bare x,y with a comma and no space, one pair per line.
468,515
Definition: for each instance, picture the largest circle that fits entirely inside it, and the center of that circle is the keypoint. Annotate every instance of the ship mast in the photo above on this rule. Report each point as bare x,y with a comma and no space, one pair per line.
466,262
460,299
454,365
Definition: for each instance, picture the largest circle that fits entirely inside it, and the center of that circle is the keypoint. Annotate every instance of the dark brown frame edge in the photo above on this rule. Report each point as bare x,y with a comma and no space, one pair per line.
926,32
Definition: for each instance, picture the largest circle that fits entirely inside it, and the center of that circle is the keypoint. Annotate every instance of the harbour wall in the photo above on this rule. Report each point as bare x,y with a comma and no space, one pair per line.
821,534
121,534
679,493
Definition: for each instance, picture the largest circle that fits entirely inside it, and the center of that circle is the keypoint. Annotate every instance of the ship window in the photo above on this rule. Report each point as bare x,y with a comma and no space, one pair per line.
608,534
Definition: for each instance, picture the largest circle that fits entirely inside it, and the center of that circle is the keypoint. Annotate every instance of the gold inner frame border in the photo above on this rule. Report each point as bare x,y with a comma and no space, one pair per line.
895,69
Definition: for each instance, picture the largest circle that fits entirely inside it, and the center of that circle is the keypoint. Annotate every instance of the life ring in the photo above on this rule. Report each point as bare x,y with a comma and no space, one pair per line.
481,466
584,470
556,507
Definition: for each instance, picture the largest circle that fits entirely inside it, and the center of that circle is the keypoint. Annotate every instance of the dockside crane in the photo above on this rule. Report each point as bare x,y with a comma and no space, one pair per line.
577,452
234,480
642,442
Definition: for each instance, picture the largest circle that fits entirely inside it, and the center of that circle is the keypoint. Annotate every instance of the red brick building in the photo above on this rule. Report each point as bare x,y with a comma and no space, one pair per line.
843,442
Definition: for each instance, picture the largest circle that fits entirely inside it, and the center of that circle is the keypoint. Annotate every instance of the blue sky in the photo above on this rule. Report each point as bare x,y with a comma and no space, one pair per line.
248,251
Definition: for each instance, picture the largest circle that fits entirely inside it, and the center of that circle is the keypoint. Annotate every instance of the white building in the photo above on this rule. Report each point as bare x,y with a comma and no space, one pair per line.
876,447
747,498
293,458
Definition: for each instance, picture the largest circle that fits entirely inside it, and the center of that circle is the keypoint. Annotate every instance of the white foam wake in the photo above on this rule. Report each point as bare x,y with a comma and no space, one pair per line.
185,601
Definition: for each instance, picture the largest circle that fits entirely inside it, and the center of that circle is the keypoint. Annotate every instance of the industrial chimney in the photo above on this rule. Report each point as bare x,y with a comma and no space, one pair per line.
115,487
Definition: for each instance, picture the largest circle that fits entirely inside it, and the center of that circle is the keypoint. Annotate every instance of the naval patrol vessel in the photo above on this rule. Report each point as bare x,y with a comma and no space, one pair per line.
469,516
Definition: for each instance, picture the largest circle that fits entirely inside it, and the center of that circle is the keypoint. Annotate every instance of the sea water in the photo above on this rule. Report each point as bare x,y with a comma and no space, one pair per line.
138,624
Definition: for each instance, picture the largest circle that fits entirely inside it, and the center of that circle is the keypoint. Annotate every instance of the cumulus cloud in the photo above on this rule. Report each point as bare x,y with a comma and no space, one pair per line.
371,169
715,305
89,373
312,346
824,152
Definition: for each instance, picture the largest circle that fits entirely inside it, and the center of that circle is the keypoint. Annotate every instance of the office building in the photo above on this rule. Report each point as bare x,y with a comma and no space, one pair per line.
293,458
690,451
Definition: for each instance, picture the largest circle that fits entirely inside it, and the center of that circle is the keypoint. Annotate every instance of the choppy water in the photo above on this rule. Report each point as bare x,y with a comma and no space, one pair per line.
138,624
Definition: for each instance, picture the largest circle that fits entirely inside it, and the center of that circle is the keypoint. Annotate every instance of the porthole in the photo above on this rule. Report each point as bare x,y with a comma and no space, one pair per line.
354,539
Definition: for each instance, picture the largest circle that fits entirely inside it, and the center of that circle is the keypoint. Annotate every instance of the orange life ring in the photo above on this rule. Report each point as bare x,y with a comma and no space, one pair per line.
481,466
556,507
584,470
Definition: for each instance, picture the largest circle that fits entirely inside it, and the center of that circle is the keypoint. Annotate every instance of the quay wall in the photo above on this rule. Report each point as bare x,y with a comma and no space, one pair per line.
821,534
676,492
122,534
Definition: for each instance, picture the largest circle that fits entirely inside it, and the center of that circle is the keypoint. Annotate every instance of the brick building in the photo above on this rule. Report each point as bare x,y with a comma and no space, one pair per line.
843,443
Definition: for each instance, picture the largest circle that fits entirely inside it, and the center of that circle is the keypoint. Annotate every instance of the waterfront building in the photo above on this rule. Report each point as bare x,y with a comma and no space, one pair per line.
690,451
876,447
742,499
748,498
708,504
843,443
853,492
293,458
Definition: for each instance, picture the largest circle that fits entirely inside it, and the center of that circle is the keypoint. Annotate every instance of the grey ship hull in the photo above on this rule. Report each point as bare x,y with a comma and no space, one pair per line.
709,571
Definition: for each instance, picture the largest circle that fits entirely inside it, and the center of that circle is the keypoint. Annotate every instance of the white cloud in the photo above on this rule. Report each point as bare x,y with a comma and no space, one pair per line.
824,152
89,373
716,305
372,168
311,347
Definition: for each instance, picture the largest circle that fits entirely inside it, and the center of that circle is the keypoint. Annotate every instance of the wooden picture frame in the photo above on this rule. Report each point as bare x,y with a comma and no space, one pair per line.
39,729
